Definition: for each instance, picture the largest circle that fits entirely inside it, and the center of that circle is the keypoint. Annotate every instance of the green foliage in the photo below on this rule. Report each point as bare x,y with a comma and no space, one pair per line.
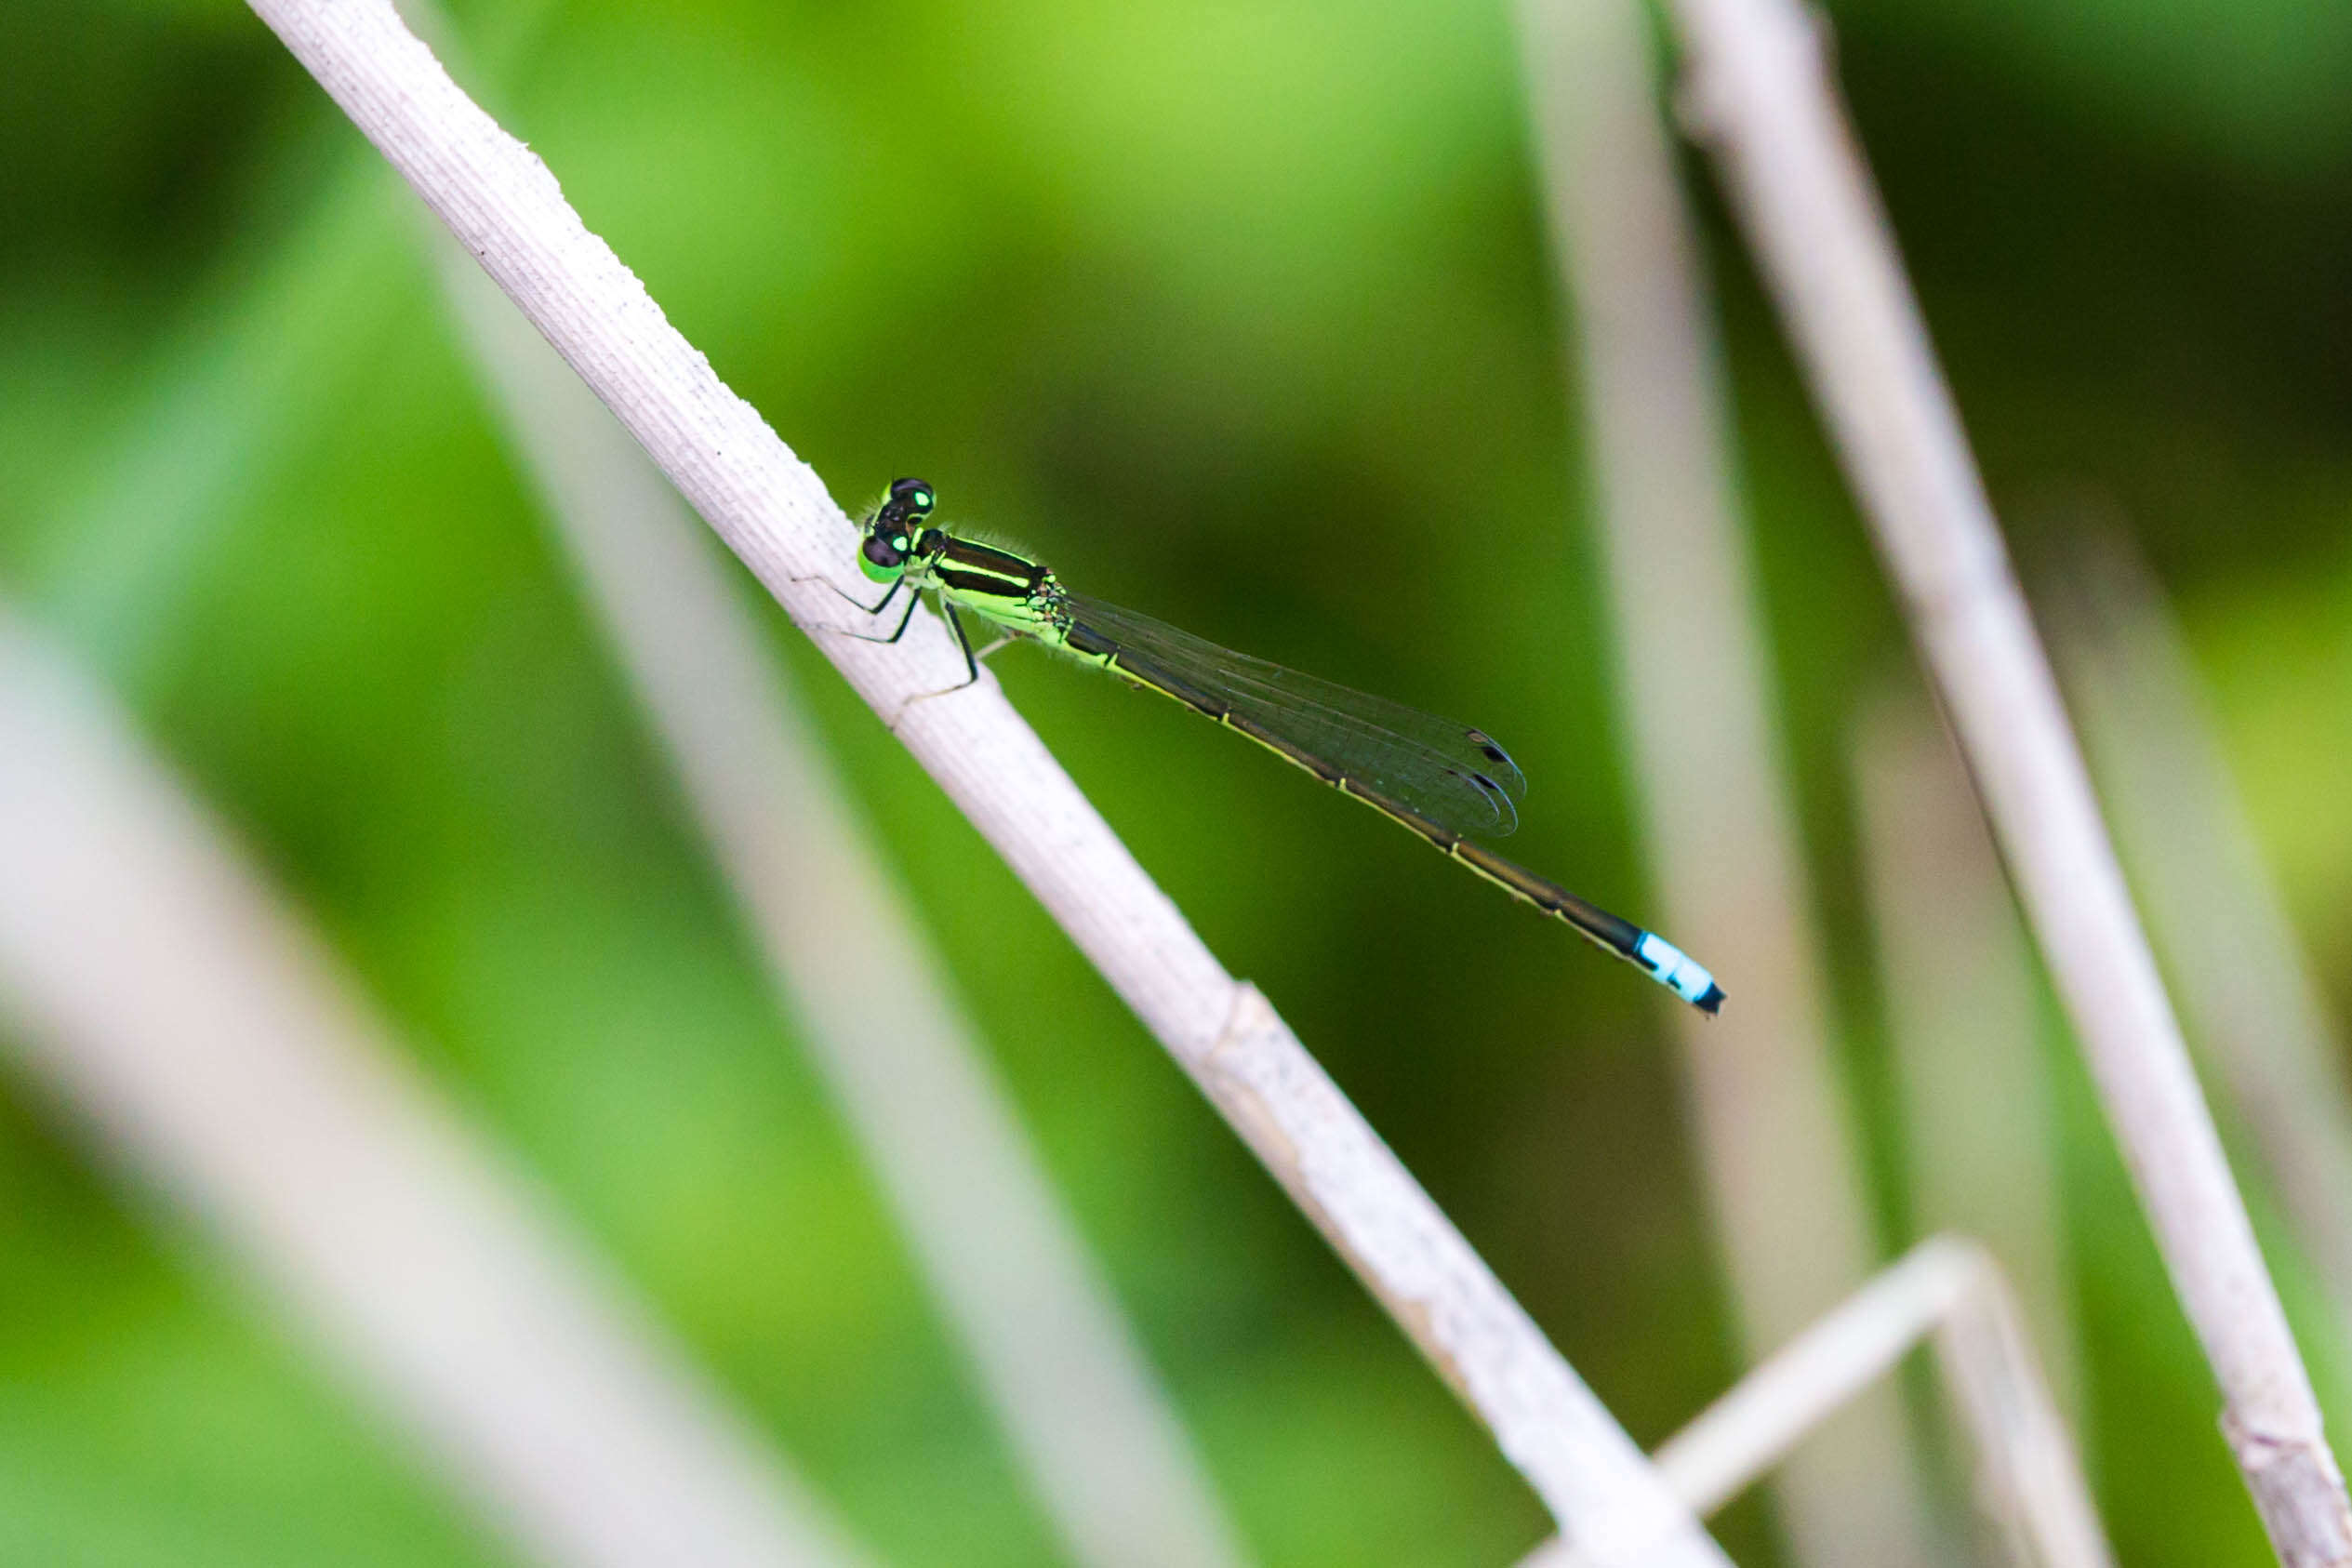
1182,297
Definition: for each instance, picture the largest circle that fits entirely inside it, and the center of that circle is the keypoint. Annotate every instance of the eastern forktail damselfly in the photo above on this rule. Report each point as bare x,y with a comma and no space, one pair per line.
1442,780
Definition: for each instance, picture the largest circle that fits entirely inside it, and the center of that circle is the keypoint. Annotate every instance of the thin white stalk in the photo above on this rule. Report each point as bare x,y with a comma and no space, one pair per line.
2214,910
771,511
1947,1287
1102,1445
161,990
1760,93
1978,1126
1773,1136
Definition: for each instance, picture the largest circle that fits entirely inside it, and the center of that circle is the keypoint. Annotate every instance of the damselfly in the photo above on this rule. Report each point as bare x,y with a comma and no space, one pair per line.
1443,780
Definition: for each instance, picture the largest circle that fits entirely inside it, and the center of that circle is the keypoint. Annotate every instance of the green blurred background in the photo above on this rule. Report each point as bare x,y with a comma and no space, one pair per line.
1240,314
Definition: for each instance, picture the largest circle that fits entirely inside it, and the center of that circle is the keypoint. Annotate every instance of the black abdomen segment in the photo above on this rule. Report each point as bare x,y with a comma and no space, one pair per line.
1615,933
966,567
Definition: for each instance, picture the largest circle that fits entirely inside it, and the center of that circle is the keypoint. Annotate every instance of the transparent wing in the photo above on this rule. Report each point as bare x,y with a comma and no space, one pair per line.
1455,775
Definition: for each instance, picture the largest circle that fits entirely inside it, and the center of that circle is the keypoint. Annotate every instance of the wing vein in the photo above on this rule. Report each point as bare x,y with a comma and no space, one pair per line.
1456,776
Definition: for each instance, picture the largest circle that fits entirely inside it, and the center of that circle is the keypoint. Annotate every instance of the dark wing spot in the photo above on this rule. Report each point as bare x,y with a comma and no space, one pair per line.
1506,815
1486,747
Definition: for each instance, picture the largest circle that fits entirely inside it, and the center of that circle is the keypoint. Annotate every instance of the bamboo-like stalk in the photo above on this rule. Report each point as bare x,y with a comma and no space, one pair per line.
1943,1287
159,986
1963,1010
2256,1012
767,506
1759,93
1773,1134
1101,1442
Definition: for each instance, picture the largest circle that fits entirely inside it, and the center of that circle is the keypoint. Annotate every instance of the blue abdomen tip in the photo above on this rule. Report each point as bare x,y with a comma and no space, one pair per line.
1676,970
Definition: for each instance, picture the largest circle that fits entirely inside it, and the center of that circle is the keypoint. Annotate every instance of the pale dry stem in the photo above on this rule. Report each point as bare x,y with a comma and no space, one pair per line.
505,207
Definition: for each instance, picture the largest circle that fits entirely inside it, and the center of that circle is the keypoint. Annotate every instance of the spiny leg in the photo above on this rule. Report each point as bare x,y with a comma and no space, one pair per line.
963,641
971,662
843,595
912,600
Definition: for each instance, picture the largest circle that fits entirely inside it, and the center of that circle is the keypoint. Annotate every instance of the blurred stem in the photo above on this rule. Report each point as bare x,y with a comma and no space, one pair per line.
2212,905
505,207
1760,94
161,987
1964,1011
1773,1133
1098,1435
1944,1287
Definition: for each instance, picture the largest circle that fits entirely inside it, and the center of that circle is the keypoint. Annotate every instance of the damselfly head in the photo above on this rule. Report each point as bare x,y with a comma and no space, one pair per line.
894,531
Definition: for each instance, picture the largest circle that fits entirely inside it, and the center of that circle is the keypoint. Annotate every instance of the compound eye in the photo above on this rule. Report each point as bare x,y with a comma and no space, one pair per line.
884,553
914,494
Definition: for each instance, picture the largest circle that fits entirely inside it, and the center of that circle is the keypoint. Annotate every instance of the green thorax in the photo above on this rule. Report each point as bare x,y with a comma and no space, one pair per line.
997,585
902,548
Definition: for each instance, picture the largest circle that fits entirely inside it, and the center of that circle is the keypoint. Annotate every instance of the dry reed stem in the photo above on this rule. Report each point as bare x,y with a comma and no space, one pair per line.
1760,95
161,990
2032,1482
1774,1139
1964,1009
1101,1442
2213,908
769,508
